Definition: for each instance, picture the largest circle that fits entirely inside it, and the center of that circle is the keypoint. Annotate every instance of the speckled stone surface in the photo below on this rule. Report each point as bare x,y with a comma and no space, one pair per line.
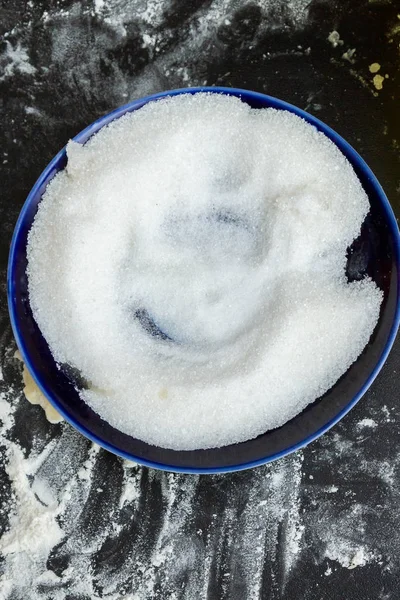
322,524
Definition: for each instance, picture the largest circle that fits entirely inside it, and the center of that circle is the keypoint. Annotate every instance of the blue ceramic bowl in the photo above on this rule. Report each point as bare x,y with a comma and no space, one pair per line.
376,253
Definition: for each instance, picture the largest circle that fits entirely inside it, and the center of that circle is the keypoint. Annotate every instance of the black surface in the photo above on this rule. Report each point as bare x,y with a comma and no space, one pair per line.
261,48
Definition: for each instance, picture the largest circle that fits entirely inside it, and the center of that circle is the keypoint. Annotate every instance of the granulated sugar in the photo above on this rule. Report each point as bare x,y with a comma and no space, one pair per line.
190,262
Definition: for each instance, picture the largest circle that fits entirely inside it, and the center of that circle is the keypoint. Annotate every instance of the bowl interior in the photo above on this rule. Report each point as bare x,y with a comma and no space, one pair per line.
375,253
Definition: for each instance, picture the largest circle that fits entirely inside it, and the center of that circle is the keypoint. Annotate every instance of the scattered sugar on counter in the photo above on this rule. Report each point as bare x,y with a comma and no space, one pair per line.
190,262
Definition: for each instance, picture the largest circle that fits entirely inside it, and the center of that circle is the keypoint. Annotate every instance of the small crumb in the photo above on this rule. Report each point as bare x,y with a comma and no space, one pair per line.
367,423
163,393
349,54
334,39
31,110
374,68
378,82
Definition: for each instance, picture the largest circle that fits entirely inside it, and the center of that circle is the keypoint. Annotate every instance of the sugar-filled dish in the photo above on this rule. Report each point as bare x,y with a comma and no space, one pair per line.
203,273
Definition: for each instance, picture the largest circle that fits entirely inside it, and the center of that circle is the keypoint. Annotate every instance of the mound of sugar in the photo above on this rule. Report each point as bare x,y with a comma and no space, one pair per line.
190,262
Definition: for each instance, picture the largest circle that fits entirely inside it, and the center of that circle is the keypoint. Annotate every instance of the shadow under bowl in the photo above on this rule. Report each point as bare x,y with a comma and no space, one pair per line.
376,253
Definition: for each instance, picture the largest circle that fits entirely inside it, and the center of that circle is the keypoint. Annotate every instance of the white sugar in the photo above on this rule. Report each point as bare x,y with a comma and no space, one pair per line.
190,263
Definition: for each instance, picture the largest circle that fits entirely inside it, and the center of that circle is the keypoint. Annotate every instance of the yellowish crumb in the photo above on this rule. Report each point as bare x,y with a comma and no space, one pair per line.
374,68
163,393
35,396
378,81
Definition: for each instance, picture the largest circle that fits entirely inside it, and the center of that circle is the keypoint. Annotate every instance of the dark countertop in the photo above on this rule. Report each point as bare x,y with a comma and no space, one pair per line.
322,524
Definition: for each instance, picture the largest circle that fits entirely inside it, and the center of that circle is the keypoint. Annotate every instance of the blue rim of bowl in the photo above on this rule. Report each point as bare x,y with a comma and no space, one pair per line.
93,128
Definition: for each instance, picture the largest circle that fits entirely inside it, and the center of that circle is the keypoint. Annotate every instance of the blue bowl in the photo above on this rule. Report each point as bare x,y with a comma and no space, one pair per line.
376,253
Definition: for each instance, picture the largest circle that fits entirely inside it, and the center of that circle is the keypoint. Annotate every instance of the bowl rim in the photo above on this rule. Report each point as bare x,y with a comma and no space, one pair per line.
93,128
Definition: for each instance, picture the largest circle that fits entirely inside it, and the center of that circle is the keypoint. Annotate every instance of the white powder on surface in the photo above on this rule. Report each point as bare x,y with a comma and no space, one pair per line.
255,525
206,18
176,57
190,263
367,423
32,518
33,529
273,493
15,60
345,540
